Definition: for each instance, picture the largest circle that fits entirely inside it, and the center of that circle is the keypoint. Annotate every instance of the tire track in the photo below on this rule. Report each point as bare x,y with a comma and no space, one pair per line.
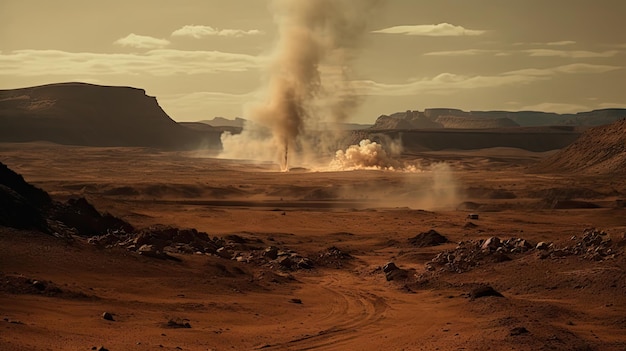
351,309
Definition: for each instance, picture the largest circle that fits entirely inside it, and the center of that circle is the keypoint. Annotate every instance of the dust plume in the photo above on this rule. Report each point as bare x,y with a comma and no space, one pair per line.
415,183
427,187
308,86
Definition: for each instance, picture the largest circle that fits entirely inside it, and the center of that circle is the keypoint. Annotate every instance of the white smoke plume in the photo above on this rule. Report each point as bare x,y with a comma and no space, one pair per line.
367,155
308,85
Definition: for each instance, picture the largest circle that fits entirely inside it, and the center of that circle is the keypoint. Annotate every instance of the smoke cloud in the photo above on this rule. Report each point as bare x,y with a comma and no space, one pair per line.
368,155
308,86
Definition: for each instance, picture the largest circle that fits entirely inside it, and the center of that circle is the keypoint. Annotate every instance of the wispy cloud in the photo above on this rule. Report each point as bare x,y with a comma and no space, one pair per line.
612,105
555,107
573,68
561,43
529,52
569,53
467,52
551,43
161,62
204,105
142,42
197,31
449,83
433,30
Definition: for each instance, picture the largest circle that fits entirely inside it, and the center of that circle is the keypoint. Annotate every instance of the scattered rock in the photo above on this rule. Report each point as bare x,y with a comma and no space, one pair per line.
332,257
296,301
541,246
107,316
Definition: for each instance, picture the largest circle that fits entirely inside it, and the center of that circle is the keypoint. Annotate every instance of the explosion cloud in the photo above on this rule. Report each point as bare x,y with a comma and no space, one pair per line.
366,155
308,86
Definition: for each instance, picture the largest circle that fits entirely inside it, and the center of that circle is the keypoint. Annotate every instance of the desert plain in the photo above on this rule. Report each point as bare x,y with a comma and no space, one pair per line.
371,279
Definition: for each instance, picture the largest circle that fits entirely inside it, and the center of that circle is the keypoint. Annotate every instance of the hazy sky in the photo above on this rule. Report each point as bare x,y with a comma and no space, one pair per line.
206,58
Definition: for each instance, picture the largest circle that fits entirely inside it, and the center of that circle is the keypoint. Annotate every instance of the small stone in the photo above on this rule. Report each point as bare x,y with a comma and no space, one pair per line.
108,316
482,291
542,245
491,244
297,301
285,262
39,285
389,267
519,331
271,252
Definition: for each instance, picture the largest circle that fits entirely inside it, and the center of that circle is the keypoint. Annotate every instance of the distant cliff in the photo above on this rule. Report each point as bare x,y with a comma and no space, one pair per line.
458,119
93,115
598,151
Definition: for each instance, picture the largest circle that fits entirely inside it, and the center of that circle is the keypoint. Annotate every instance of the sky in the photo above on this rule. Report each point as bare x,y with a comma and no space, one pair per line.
207,58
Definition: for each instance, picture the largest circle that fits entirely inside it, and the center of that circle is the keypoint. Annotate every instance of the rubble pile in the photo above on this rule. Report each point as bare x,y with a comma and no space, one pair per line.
472,253
332,257
161,241
593,244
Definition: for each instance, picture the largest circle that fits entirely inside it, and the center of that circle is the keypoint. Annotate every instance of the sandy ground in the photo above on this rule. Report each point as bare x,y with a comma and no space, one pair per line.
564,303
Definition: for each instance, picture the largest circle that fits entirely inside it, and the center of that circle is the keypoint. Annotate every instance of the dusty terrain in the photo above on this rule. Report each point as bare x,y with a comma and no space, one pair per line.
568,296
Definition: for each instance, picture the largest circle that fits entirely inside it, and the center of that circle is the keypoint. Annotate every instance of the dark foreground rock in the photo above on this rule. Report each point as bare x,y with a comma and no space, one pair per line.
483,291
429,238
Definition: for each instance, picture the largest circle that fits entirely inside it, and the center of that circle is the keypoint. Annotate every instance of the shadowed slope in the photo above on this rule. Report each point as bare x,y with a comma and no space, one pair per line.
600,150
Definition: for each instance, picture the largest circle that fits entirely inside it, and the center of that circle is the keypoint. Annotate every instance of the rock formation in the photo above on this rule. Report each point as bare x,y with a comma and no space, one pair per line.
93,115
600,150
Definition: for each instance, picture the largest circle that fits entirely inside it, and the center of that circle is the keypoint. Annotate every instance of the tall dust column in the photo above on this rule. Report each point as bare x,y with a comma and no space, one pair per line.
307,83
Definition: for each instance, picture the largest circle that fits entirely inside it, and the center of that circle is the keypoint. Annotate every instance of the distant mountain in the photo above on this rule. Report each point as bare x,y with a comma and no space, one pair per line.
406,120
225,122
454,118
93,115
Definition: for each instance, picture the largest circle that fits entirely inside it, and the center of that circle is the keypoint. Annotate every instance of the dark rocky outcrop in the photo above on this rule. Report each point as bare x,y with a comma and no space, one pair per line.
93,115
22,205
25,206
